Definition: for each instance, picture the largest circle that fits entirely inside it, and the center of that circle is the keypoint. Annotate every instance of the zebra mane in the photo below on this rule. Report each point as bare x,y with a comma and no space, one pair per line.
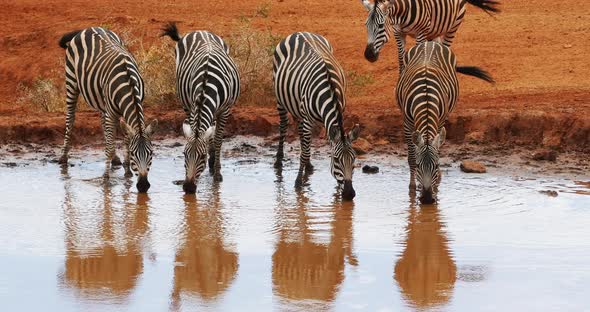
199,101
135,96
336,100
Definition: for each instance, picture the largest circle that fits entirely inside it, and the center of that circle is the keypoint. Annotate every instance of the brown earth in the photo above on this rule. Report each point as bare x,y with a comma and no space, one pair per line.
534,49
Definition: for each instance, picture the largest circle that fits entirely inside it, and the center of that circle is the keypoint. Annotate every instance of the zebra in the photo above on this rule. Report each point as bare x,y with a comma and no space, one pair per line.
208,85
309,84
100,68
426,94
422,19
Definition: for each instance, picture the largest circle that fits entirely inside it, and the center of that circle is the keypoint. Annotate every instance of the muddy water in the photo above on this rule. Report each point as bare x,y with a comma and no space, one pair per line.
75,241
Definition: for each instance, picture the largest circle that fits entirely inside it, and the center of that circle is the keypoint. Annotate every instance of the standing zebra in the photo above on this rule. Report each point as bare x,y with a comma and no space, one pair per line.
426,94
100,68
422,19
310,84
208,85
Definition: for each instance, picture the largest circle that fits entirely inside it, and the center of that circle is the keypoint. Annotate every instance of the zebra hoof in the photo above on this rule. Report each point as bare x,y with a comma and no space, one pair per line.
309,168
279,164
218,178
63,160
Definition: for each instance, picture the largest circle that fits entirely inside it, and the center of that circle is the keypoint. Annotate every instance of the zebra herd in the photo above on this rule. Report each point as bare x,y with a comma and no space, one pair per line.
309,85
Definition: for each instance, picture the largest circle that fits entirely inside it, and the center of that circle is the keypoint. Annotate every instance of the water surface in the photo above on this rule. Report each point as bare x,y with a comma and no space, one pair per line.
71,240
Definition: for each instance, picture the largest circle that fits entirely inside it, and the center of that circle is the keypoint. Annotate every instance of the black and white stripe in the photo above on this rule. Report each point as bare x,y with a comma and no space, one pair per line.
422,19
310,85
208,85
99,67
427,92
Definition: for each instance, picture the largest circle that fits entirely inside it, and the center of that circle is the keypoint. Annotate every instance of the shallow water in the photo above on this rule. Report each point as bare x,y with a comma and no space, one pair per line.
73,241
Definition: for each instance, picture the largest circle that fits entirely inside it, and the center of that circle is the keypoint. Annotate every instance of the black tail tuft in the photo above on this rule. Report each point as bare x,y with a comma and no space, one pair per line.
65,39
171,31
475,72
489,6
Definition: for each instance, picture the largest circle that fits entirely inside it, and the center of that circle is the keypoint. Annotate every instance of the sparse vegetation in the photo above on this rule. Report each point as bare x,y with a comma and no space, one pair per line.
252,50
263,10
44,94
358,81
157,67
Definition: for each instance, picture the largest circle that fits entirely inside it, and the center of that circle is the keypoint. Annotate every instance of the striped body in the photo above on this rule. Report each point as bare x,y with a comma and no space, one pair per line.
427,92
426,20
310,84
208,85
99,67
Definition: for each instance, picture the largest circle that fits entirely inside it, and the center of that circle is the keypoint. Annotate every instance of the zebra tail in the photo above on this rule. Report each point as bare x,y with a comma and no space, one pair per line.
475,72
66,38
489,6
171,31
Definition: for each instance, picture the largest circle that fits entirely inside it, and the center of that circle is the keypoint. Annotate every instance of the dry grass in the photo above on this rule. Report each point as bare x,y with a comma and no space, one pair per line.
44,95
253,50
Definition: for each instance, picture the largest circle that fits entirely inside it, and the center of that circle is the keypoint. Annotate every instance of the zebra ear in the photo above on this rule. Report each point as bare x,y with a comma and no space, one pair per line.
334,134
417,138
126,128
367,4
440,138
186,129
151,128
353,134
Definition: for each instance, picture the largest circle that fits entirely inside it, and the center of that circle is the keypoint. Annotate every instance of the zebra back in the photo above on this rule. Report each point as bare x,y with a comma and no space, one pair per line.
304,66
207,78
106,73
428,88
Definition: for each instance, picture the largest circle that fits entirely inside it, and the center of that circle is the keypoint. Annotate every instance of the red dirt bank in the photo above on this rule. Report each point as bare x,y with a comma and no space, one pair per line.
534,49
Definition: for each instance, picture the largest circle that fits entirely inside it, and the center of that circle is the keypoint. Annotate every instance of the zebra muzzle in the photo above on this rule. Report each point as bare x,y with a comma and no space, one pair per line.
189,187
426,197
143,185
348,192
370,54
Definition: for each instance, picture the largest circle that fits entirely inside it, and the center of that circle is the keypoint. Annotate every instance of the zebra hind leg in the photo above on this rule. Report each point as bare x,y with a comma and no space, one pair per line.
284,122
72,94
218,140
127,162
305,138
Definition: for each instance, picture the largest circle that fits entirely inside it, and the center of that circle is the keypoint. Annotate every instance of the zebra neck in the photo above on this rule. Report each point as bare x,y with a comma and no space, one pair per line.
398,11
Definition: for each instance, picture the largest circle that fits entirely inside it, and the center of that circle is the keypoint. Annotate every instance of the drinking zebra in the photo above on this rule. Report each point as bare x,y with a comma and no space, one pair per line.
426,94
422,19
208,85
100,68
309,84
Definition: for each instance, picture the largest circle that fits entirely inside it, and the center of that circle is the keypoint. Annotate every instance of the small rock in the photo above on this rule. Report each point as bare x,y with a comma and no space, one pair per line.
178,182
381,142
9,164
549,193
470,166
567,46
370,169
549,155
175,144
361,146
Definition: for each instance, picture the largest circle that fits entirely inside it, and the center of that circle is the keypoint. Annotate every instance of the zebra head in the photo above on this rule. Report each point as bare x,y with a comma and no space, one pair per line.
343,157
195,155
377,31
427,166
139,145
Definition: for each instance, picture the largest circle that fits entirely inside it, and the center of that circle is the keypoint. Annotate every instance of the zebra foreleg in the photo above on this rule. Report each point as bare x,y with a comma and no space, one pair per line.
72,94
411,158
305,138
127,163
284,122
218,140
109,125
303,131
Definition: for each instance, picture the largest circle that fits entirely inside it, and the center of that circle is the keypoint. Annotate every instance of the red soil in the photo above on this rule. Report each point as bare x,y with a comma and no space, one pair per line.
534,49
